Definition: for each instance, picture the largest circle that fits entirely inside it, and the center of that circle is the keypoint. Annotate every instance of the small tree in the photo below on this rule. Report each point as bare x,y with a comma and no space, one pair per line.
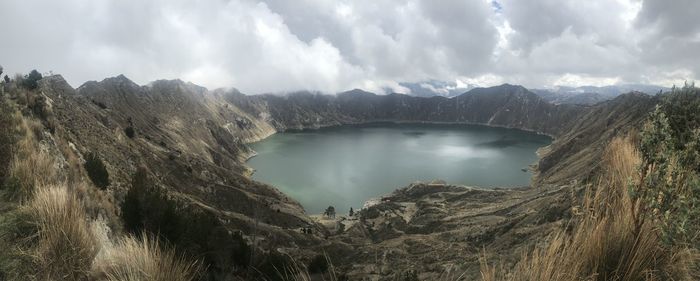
96,170
129,131
31,80
7,79
330,212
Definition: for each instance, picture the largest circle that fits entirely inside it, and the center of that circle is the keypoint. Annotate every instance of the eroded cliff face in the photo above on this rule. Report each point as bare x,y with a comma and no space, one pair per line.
193,142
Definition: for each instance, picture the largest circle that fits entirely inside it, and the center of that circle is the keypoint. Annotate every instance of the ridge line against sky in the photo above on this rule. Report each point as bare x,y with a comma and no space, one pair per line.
331,46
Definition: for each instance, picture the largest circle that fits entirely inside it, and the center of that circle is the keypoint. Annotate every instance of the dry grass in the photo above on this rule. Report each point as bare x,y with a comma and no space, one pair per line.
53,236
31,166
66,246
133,259
610,239
296,271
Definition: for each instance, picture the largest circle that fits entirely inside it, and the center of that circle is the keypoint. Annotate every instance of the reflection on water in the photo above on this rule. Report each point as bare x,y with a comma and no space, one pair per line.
464,152
345,166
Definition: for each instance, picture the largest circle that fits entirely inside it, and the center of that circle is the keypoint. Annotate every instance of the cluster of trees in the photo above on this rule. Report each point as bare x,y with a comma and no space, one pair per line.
330,212
29,81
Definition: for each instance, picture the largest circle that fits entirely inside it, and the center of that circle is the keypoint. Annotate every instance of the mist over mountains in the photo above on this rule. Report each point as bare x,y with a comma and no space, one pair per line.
585,95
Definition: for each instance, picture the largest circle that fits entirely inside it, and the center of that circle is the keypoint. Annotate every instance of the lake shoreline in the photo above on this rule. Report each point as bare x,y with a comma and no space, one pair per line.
455,142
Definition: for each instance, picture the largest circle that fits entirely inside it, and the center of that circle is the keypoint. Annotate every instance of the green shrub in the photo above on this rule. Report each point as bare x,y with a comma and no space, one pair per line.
670,147
129,131
11,188
31,80
96,170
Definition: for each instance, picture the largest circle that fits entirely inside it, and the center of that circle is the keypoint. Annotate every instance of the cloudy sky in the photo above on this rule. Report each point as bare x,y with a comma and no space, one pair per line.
330,46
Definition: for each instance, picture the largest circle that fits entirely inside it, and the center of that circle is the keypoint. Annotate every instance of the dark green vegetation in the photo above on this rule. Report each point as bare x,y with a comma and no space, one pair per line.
148,209
129,131
96,170
198,234
31,80
8,137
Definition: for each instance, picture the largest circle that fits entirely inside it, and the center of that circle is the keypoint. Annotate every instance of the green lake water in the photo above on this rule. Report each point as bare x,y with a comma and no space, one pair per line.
345,166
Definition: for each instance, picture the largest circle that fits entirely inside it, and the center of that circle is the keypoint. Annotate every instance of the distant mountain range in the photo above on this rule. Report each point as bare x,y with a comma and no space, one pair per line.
588,95
584,95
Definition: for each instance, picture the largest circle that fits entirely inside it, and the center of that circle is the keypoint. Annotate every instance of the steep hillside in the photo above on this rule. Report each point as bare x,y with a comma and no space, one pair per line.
505,106
576,153
191,145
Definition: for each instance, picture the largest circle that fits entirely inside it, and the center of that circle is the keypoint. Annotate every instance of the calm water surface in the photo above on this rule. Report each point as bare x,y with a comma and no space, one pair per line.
344,166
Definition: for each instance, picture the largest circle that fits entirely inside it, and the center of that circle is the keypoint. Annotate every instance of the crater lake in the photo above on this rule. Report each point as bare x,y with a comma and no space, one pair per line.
345,166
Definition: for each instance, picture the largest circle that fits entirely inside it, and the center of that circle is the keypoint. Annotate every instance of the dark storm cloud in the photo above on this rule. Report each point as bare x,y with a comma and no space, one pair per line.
277,45
672,36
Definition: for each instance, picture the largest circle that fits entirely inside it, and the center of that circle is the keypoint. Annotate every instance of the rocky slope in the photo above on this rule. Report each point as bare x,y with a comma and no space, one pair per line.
506,105
193,142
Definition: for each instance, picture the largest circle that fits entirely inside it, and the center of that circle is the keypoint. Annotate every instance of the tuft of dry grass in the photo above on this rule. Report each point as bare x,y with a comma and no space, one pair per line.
296,271
134,259
66,244
610,239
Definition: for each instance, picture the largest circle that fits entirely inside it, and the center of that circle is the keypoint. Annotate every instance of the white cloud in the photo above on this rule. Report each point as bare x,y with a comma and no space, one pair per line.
279,45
